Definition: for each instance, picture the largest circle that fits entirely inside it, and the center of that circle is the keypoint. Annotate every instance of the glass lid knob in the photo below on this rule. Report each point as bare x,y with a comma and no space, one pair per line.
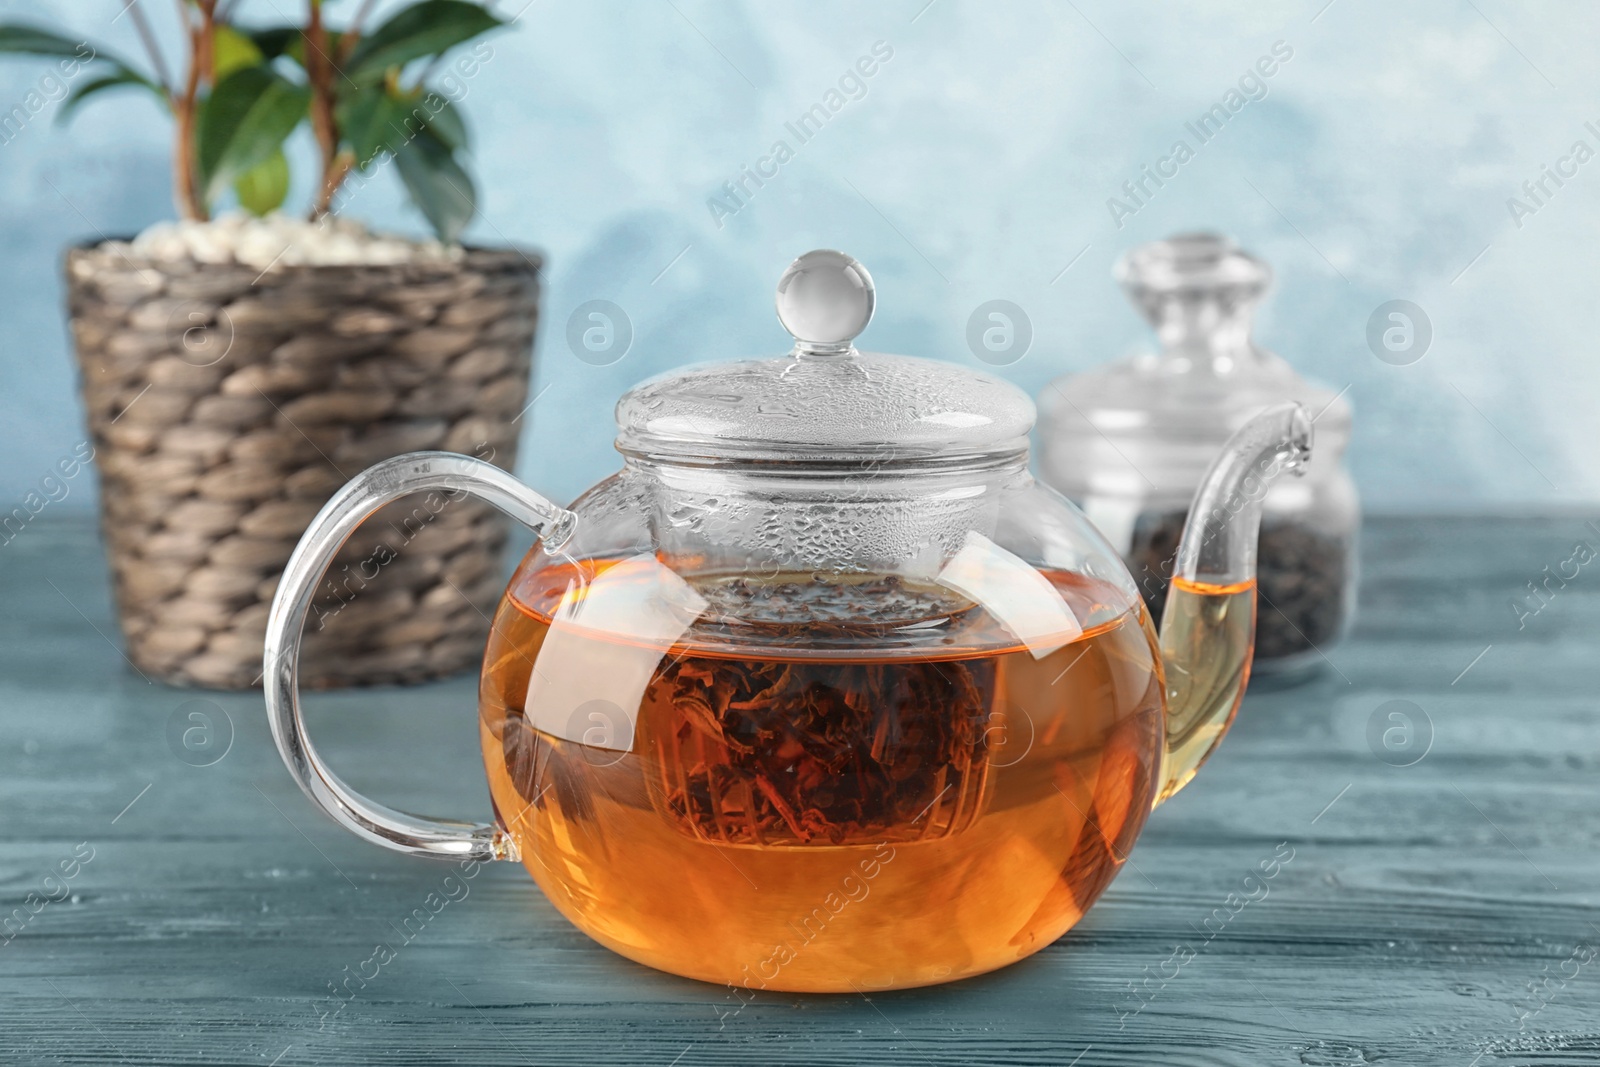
825,299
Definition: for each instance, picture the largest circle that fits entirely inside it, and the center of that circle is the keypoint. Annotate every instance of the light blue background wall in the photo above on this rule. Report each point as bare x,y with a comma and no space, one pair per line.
977,166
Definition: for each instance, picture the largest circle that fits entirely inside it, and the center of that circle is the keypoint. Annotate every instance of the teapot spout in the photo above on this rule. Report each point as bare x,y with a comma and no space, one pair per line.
1208,627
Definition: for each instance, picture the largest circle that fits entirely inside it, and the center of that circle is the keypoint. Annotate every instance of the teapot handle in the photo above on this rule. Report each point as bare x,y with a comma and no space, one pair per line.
350,507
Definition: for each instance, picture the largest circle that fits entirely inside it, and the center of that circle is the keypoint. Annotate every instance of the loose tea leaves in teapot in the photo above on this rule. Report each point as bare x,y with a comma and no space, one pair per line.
788,753
774,749
772,752
783,751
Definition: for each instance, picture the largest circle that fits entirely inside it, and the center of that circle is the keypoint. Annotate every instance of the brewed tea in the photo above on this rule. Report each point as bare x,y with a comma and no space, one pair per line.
1219,619
800,783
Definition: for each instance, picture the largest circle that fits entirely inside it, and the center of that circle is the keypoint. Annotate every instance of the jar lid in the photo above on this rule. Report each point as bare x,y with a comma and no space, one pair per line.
1191,267
1157,419
825,402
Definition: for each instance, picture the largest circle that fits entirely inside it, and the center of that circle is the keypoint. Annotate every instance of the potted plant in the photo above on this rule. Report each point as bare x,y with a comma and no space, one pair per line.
238,369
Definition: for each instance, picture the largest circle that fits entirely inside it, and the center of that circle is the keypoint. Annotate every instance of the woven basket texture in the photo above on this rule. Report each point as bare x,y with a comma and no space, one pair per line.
226,405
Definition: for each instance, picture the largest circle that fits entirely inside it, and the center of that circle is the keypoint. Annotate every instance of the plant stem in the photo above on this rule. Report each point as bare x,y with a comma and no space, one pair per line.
190,197
352,32
319,73
207,54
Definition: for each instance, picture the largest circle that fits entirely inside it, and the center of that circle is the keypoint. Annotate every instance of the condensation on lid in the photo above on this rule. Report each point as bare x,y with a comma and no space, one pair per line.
859,405
826,401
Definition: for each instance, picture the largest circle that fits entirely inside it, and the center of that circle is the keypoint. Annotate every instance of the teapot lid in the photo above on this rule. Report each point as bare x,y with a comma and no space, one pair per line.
825,402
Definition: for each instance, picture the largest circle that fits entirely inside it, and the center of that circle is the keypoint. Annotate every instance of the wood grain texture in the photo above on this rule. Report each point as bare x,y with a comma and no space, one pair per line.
1420,904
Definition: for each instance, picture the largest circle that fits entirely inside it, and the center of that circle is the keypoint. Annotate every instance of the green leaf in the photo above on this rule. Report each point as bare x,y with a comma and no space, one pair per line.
17,37
445,120
231,51
274,41
289,41
424,29
263,187
437,184
121,77
243,122
371,122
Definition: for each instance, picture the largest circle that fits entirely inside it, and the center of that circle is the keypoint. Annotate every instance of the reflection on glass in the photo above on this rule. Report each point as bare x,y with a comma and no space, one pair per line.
1019,597
588,690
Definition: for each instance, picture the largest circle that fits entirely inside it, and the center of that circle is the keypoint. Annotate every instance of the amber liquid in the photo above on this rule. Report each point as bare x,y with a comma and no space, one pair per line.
1207,639
777,799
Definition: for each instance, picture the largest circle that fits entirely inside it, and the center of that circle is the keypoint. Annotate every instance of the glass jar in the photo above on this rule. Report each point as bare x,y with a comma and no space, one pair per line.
1131,440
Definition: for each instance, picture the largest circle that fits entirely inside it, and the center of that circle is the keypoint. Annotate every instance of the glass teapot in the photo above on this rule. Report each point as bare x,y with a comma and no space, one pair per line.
822,691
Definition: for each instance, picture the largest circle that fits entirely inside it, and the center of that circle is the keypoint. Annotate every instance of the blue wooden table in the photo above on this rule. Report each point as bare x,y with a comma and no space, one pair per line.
173,904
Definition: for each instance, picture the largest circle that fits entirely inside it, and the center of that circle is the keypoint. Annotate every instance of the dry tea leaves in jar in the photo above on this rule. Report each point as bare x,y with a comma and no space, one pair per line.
1301,579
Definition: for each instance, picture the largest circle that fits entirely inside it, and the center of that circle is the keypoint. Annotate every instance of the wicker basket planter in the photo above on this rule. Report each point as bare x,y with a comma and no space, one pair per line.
227,405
